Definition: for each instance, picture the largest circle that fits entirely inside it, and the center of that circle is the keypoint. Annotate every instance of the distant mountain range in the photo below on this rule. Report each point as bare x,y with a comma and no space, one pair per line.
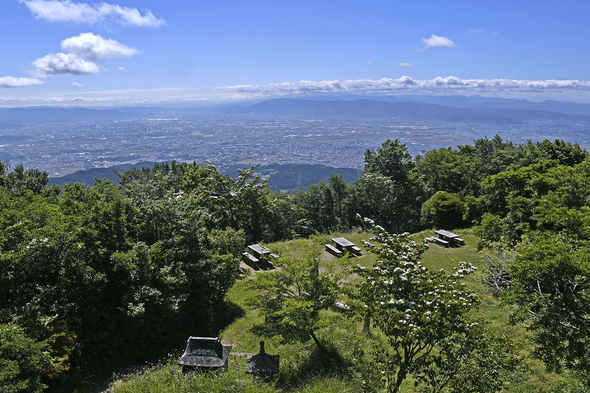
402,110
473,101
287,178
471,109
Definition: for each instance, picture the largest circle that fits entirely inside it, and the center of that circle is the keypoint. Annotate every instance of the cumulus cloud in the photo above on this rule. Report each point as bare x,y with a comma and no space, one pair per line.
64,63
121,68
369,62
68,11
436,41
403,64
83,50
96,48
76,84
10,81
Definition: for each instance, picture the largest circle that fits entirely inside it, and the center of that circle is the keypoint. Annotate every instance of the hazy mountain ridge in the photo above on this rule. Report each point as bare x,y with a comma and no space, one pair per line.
472,101
402,110
288,178
471,109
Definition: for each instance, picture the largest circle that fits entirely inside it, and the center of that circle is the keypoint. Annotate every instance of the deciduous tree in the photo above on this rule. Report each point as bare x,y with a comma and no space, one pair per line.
416,308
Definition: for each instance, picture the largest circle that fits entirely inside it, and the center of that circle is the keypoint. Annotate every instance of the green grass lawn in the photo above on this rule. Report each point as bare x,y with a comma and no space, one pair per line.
352,369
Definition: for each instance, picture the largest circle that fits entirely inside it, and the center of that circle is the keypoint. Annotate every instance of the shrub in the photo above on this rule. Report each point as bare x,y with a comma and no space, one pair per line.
21,361
443,210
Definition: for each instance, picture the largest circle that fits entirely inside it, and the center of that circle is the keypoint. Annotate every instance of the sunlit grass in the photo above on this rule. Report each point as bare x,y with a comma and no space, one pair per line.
351,367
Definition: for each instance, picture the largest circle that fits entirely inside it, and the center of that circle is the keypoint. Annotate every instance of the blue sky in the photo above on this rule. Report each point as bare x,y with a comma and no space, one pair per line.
132,52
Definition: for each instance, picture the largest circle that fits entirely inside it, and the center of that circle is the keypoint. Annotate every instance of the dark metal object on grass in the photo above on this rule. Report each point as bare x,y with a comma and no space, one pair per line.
205,354
262,363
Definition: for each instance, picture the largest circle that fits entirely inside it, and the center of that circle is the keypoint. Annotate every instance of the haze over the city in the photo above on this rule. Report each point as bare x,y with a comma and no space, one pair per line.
189,53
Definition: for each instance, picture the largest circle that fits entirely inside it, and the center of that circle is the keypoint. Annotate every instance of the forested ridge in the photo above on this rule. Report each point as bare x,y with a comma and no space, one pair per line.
95,278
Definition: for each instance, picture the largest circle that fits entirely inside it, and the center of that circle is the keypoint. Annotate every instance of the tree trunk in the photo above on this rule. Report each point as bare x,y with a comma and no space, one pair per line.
401,375
317,342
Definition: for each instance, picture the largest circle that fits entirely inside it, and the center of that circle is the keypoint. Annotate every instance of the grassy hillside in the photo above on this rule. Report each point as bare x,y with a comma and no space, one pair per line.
351,368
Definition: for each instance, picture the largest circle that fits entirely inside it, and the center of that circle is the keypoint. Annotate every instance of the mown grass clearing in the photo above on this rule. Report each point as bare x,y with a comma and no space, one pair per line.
352,366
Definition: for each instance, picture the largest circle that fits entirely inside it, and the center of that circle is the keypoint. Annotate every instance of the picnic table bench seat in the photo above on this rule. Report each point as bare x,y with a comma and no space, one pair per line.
249,258
333,250
356,250
442,242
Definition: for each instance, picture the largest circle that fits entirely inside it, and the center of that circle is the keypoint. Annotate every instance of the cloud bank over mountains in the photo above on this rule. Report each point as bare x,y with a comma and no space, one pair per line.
538,89
406,84
67,11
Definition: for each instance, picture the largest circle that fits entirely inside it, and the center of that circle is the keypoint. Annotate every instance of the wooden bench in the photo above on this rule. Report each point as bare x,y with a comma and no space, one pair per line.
441,242
250,259
333,250
356,250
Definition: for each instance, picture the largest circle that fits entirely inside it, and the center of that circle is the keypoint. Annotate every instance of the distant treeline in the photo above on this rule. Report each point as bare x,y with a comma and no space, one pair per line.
99,275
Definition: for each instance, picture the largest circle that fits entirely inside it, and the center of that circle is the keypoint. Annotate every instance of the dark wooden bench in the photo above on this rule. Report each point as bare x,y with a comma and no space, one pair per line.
333,250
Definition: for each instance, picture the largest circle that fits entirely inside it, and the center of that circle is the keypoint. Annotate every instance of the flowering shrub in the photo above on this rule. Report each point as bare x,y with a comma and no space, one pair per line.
416,308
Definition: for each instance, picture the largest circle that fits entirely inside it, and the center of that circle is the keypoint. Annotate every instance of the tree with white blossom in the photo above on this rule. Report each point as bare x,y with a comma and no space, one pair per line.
416,308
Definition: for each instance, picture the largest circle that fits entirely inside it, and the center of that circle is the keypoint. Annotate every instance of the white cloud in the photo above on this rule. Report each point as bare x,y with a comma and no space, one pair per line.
403,64
10,81
436,41
64,63
369,62
76,84
121,68
94,47
68,11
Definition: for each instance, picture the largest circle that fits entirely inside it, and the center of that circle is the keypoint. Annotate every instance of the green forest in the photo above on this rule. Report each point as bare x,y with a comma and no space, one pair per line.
97,278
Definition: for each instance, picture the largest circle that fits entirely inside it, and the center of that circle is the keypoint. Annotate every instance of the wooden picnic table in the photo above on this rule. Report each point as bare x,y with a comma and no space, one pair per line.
446,234
346,245
259,250
449,236
342,242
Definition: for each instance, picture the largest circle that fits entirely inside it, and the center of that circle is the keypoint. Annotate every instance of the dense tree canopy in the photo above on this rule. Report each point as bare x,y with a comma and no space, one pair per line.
160,250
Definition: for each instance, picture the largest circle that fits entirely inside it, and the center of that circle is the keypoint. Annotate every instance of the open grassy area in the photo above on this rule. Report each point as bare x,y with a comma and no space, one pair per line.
352,366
